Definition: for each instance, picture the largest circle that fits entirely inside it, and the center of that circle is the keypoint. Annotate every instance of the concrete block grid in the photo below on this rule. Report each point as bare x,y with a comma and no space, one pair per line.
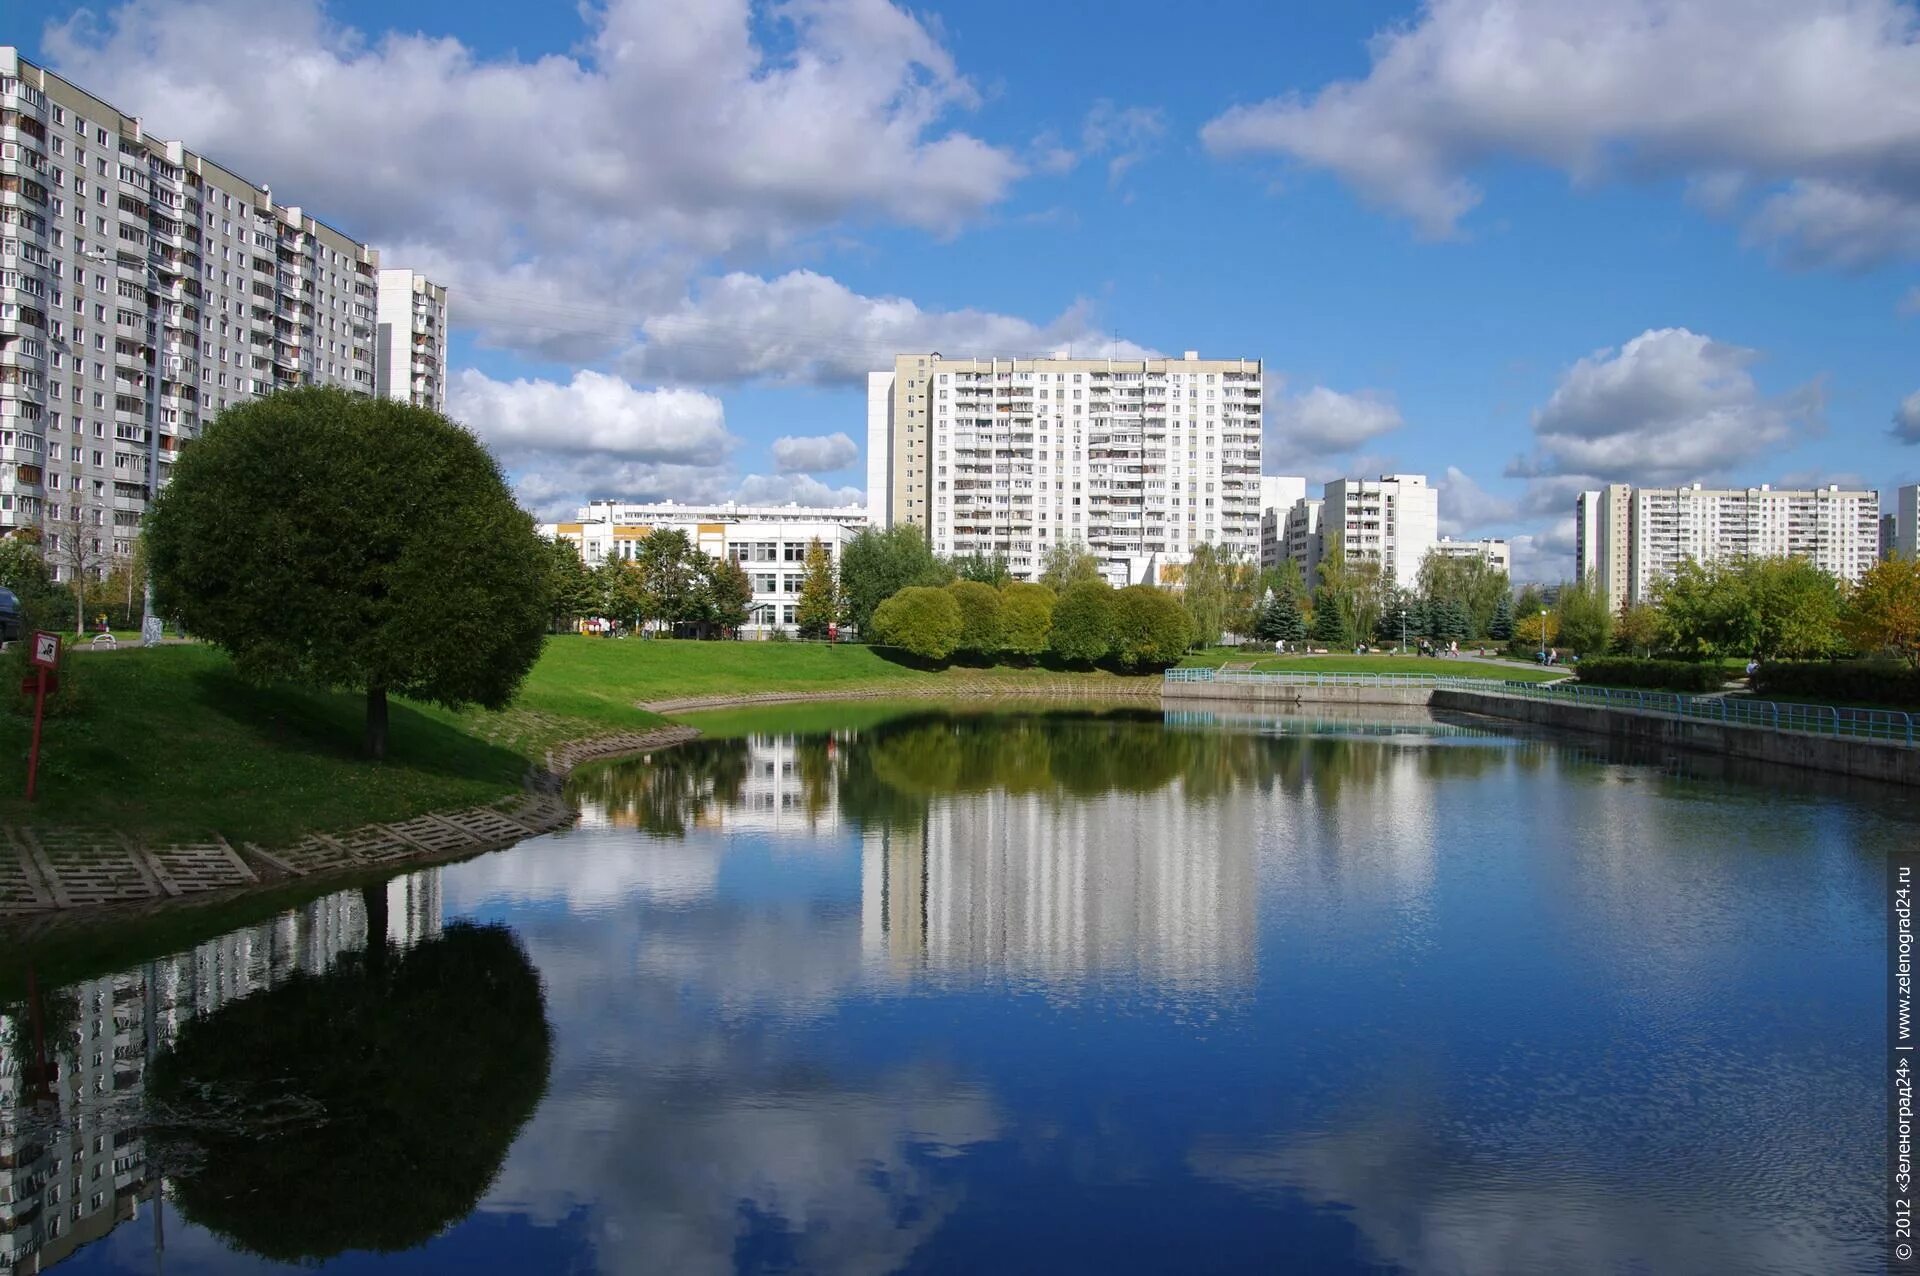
51,869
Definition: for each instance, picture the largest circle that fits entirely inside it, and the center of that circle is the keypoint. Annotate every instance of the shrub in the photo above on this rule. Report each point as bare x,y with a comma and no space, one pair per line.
1026,617
1662,675
1083,622
1150,629
921,619
980,621
1878,682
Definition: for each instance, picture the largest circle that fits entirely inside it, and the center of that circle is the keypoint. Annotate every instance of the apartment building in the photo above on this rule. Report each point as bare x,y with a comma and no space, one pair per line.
1603,539
1140,460
411,354
1906,521
1298,537
1279,493
1838,529
102,226
1492,550
1393,520
769,542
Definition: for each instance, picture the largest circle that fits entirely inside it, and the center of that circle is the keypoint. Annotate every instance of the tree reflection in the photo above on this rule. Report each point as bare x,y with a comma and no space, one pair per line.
667,793
365,1108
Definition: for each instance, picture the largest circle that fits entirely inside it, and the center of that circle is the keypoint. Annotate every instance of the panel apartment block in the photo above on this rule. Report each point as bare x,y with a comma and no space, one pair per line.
1140,460
411,363
253,296
1837,529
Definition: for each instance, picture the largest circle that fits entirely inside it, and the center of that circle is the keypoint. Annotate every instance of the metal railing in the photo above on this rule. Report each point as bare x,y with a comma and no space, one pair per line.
1888,725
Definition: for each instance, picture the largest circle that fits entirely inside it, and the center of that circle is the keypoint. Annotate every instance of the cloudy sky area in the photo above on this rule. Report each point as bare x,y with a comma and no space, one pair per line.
1520,245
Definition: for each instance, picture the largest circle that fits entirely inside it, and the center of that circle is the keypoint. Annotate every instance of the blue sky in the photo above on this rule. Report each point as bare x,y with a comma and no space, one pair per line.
1520,247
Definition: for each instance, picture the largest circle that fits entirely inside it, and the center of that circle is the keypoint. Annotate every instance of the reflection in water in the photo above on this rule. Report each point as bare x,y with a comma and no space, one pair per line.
1086,991
73,1153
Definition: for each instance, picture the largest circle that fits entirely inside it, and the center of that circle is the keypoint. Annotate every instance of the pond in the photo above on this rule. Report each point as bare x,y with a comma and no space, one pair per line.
1061,991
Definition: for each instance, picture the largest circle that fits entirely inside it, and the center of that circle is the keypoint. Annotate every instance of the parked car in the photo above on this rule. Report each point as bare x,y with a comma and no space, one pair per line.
9,616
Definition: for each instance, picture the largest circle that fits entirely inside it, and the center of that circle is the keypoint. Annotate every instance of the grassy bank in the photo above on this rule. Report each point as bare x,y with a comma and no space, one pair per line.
170,743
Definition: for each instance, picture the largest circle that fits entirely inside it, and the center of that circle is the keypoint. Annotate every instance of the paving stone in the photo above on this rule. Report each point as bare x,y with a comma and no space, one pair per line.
185,868
375,844
433,833
84,866
312,854
21,890
487,825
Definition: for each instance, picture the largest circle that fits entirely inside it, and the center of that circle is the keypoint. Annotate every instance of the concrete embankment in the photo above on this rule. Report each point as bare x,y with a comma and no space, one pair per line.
1288,694
1866,759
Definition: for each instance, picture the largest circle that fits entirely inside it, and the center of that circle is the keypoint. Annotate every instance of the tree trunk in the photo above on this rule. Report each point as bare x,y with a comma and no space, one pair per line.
373,901
377,723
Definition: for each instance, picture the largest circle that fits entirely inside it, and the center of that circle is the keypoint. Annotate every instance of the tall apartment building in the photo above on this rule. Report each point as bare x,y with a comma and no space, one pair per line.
1279,493
98,220
1140,460
769,542
1497,553
1393,520
1906,521
411,354
1603,540
1837,529
1298,538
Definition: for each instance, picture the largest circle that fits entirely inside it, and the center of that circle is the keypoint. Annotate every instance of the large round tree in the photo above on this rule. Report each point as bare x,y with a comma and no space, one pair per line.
341,541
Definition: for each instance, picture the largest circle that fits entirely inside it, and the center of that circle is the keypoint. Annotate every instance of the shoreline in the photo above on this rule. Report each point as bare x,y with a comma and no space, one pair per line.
58,878
54,877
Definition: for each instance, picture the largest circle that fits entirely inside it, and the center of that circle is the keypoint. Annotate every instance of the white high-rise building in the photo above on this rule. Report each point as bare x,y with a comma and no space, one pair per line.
1140,460
1906,521
1632,537
1393,520
1279,493
99,222
1497,553
1301,537
412,349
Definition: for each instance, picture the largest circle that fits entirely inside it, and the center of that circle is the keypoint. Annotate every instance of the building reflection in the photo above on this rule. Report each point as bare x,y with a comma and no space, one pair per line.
74,1061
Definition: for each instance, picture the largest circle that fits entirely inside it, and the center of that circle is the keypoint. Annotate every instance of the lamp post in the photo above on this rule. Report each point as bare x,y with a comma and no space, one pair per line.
150,627
1543,635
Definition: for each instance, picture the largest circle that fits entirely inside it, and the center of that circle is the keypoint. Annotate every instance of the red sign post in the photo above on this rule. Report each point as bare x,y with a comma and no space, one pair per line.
45,658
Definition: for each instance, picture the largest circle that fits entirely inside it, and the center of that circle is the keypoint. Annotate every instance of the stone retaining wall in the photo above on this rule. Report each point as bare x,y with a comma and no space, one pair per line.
1839,755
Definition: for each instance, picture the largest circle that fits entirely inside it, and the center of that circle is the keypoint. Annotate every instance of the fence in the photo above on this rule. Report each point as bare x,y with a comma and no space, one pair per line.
1816,719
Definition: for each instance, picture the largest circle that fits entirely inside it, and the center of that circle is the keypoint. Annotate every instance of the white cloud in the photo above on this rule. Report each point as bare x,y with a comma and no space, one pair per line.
564,196
1466,507
1127,135
1742,95
594,413
794,489
1906,419
596,436
1304,430
825,452
1668,406
806,327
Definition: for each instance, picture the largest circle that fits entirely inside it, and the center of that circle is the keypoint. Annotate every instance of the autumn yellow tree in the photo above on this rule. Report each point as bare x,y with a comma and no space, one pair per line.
1883,611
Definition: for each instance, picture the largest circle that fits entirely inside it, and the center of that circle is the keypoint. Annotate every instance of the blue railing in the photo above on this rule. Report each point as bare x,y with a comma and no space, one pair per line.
1889,725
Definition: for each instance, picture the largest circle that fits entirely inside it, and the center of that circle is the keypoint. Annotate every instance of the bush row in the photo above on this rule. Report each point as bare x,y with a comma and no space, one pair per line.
1875,682
1138,628
1661,675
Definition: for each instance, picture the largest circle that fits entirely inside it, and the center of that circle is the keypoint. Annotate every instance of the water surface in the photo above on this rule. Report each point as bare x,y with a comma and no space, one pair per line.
1064,991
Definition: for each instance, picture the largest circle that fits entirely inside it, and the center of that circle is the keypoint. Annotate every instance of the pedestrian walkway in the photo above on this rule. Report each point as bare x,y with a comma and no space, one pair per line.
50,868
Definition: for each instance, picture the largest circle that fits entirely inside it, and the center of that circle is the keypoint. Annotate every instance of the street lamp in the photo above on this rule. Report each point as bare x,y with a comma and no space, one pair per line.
150,627
1543,635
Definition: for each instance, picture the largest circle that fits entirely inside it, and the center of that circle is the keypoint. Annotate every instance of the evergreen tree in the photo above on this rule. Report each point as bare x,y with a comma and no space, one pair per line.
1329,621
1500,628
1393,623
1292,625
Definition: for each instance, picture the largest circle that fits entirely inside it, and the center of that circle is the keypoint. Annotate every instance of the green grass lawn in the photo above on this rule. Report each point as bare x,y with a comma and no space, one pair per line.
170,743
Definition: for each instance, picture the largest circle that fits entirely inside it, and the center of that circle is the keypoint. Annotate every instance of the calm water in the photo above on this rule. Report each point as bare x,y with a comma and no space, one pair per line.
1053,992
